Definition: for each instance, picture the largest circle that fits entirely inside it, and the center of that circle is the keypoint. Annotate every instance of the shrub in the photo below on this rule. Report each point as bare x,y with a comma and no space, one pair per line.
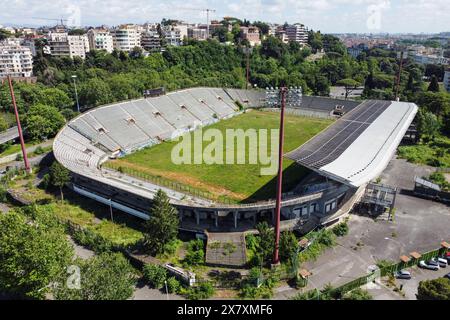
195,254
19,157
204,290
173,285
341,229
155,275
39,150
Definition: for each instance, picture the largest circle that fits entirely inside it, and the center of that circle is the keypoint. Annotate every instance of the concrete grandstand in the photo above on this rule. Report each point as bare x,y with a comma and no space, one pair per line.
335,184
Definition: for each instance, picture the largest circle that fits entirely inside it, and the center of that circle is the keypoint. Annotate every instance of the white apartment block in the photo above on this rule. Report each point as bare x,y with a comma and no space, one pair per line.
15,60
447,80
297,32
173,35
100,39
430,59
127,36
62,44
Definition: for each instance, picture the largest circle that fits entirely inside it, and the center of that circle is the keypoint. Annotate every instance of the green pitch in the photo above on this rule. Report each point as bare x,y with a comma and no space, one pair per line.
225,182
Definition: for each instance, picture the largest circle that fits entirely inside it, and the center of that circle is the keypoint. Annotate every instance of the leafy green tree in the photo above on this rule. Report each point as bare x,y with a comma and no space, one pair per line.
42,122
59,176
428,124
288,245
162,226
434,84
32,256
204,291
4,34
108,276
357,294
173,285
437,289
55,97
3,124
95,92
155,275
349,85
266,241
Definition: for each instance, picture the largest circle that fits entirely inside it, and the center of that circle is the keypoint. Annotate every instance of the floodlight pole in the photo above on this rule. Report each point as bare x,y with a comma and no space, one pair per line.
276,259
19,127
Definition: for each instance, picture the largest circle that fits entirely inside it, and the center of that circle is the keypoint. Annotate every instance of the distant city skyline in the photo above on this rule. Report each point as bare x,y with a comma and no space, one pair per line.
330,16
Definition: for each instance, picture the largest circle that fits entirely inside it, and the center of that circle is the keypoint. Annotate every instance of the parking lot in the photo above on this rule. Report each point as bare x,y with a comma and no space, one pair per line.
409,287
419,225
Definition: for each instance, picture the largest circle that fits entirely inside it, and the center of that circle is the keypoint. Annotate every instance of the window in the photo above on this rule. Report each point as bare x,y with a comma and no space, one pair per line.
313,207
330,205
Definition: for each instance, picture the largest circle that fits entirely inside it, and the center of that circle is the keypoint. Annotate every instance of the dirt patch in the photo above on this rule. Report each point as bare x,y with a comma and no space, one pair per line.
185,179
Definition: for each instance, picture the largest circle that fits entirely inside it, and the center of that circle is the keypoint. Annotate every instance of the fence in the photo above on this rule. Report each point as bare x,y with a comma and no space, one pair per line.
384,271
158,180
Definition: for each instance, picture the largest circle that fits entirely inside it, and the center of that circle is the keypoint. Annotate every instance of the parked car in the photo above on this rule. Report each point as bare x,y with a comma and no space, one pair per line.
440,262
402,274
433,263
447,276
447,257
424,265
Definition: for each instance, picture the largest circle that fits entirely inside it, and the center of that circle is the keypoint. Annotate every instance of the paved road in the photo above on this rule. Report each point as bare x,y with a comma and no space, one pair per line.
8,135
10,160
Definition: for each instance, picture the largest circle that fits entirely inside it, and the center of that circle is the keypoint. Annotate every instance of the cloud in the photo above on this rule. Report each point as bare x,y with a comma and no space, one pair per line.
325,15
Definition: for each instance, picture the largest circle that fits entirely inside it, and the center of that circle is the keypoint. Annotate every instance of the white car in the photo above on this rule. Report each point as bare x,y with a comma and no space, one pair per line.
423,265
442,262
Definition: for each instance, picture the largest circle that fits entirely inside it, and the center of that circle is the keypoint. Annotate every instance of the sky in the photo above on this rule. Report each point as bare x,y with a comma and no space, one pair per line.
330,16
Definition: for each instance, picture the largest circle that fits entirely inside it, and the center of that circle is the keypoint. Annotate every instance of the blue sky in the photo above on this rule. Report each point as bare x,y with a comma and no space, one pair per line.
334,16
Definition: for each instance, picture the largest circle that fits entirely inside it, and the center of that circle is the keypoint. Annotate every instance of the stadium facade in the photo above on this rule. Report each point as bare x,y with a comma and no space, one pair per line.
343,158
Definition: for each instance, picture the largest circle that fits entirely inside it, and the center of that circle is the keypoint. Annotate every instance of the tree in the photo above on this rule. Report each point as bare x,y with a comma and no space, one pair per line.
33,254
108,276
4,34
95,92
266,241
162,226
437,289
155,275
59,176
3,124
357,294
434,84
349,85
428,124
43,122
288,245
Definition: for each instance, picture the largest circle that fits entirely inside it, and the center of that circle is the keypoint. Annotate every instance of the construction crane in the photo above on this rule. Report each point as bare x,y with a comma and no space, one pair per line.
207,16
61,20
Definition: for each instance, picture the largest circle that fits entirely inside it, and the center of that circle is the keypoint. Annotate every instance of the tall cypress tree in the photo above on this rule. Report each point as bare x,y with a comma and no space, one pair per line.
162,227
434,84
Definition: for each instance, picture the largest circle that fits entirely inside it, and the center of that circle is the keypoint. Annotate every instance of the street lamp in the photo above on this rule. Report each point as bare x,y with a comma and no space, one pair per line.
74,77
275,97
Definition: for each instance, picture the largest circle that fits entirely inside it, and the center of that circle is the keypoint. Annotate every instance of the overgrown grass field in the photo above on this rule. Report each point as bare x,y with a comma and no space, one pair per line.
236,182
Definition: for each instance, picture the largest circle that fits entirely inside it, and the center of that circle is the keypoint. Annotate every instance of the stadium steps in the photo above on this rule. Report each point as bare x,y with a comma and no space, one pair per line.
226,249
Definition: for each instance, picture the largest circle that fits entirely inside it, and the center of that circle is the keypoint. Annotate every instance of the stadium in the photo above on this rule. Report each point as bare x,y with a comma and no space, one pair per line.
349,143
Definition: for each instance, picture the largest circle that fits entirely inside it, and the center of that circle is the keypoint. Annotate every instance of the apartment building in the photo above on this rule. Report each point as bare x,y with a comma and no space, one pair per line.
127,36
297,32
15,60
447,80
100,39
151,41
62,44
174,35
251,34
197,33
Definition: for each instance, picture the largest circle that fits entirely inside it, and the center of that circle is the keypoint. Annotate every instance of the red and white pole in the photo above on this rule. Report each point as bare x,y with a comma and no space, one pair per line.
276,258
19,127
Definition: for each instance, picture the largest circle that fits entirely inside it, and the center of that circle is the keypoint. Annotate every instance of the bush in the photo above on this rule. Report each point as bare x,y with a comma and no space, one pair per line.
357,294
204,290
155,275
341,229
91,240
39,150
195,254
19,157
173,285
